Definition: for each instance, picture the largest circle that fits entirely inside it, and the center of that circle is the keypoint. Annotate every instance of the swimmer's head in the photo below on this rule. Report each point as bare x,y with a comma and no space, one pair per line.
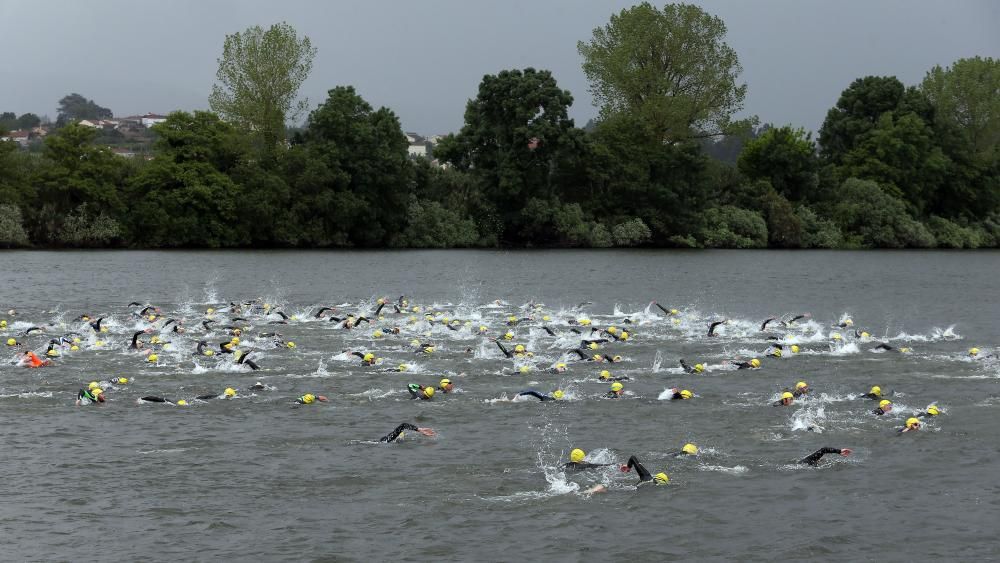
577,455
483,329
884,404
508,335
685,394
605,374
612,330
617,387
624,335
229,393
864,334
557,394
446,384
795,348
546,318
876,390
402,367
802,386
208,352
690,449
776,352
152,358
524,369
368,357
182,403
593,346
377,334
428,392
93,385
835,336
519,349
755,363
289,344
584,322
661,479
11,342
560,367
235,341
122,381
933,410
973,352
787,398
912,423
698,368
307,399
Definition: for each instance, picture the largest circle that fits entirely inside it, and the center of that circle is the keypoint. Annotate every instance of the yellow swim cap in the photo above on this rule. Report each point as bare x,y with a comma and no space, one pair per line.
76,340
835,336
884,403
308,398
229,392
933,410
612,329
577,455
676,321
557,394
673,311
801,385
912,423
74,348
512,319
508,335
93,385
617,386
154,340
560,366
444,382
377,334
690,449
182,403
848,322
584,322
605,374
546,318
210,310
864,334
685,394
235,341
787,395
52,353
402,367
876,390
904,350
776,353
152,358
624,335
524,369
755,363
290,344
699,368
617,358
598,357
380,301
795,348
593,346
99,343
208,352
519,348
428,392
482,328
368,357
97,391
973,351
11,342
122,381
661,479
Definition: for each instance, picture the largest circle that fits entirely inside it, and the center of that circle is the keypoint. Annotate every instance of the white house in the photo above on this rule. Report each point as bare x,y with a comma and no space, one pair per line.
19,137
151,119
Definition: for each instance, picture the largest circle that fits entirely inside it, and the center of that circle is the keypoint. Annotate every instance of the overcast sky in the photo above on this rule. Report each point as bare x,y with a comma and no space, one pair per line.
425,59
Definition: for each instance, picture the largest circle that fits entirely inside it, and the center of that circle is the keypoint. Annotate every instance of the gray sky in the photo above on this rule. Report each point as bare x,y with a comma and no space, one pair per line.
425,59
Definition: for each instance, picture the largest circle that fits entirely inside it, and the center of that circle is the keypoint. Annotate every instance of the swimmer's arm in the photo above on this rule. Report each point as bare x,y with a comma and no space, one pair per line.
644,474
390,437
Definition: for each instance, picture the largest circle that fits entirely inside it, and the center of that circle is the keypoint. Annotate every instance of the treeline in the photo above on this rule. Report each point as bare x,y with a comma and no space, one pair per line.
895,166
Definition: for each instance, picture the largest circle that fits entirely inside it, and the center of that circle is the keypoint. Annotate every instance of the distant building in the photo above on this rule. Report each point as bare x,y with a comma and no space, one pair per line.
151,119
20,137
123,152
419,147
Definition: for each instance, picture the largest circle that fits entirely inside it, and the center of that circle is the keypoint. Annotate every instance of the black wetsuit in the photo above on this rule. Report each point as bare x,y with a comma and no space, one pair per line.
207,397
711,327
742,365
813,458
135,340
763,326
676,396
416,391
505,351
611,395
86,395
391,437
879,411
537,395
872,396
644,474
153,399
687,368
582,465
797,393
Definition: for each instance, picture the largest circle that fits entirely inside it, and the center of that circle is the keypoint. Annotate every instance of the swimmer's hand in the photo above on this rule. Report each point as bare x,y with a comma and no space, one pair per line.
624,468
427,431
845,452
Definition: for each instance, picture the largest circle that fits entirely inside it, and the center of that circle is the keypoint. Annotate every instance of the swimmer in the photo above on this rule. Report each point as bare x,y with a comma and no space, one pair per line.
617,390
229,393
558,368
697,368
912,424
241,359
763,325
644,475
752,364
555,396
136,343
424,393
257,387
774,350
398,432
576,462
96,325
813,458
791,321
606,376
875,394
666,311
681,395
90,396
31,360
883,347
367,358
446,386
801,388
884,406
931,411
712,327
688,450
786,399
309,399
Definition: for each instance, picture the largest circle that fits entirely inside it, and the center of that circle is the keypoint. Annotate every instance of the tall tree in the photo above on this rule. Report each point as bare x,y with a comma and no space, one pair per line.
966,97
784,156
260,73
671,67
74,107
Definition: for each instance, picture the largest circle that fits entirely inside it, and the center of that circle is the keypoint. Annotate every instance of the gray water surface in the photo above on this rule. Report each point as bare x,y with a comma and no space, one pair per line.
260,478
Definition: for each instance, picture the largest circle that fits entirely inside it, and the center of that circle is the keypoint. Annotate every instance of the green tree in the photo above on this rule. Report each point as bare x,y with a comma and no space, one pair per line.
12,232
786,157
74,107
966,98
870,217
184,197
28,121
732,227
516,139
260,73
669,67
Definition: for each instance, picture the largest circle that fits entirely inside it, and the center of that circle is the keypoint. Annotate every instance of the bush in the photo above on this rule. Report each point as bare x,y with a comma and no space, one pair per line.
952,235
430,225
732,227
631,233
600,237
85,229
818,232
12,227
870,217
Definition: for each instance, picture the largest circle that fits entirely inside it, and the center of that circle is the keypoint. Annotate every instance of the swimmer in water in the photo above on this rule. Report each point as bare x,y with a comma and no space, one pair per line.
367,358
309,399
398,432
90,396
875,394
241,359
446,386
257,387
555,396
883,347
229,393
606,376
424,393
688,450
752,364
576,462
616,391
697,368
931,412
31,360
714,325
681,395
644,475
884,406
792,321
801,388
813,458
912,424
786,400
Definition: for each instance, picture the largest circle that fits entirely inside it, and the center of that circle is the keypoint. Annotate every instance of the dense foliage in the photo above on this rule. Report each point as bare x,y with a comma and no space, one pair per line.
893,166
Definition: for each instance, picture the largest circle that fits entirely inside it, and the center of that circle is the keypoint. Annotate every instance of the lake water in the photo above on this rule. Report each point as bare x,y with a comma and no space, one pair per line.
258,477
